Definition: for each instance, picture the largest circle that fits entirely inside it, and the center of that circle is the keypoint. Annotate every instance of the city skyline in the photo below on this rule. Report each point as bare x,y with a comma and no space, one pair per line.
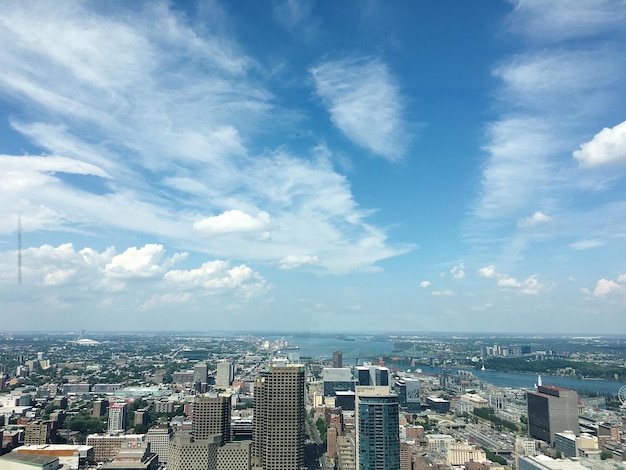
313,166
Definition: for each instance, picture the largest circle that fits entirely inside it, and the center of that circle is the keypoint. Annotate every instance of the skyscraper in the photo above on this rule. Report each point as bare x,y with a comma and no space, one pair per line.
550,410
200,373
279,412
225,374
377,429
211,415
337,359
187,453
117,417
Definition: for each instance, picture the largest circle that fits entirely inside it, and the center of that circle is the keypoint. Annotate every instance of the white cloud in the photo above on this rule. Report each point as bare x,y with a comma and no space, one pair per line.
606,286
441,293
166,299
585,244
621,279
537,218
458,272
295,261
607,148
351,89
557,21
488,271
137,262
424,284
509,282
233,221
104,110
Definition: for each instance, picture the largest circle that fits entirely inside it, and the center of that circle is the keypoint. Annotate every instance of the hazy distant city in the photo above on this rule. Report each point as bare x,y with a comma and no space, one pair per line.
274,401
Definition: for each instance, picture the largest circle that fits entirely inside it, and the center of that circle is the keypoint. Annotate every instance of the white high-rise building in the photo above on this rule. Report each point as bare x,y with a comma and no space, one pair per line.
225,374
117,418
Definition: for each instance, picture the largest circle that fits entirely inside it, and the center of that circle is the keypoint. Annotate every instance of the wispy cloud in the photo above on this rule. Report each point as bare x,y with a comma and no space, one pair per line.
352,89
159,115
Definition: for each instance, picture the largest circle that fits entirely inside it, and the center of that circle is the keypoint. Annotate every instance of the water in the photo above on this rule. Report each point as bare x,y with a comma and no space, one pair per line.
322,346
517,380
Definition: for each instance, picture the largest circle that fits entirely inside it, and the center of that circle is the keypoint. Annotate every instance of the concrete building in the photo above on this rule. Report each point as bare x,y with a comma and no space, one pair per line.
15,461
234,456
186,453
99,408
439,442
200,373
72,456
573,446
117,418
159,439
373,376
133,456
337,359
408,390
460,454
106,447
279,415
550,410
337,379
225,374
377,429
211,415
37,433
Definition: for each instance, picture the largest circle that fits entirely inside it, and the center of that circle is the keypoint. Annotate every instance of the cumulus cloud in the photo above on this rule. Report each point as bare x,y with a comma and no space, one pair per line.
351,89
529,286
424,284
137,262
458,272
606,286
295,261
487,271
537,218
607,148
233,221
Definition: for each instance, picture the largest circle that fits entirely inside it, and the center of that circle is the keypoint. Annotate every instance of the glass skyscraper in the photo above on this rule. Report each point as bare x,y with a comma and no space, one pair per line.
378,436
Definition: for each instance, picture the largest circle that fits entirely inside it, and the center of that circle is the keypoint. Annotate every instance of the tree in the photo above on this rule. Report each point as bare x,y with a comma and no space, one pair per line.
605,454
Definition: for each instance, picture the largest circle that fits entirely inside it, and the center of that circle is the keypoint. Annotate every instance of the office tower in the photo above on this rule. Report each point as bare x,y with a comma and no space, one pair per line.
279,418
234,456
372,375
337,359
550,410
159,439
225,374
200,373
117,417
187,453
99,408
377,429
337,380
211,415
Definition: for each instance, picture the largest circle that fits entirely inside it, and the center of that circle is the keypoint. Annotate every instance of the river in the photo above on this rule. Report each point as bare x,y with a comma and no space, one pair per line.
322,346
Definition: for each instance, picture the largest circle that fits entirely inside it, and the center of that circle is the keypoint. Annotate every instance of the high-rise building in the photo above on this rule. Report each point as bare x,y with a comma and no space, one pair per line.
225,374
159,439
279,415
117,417
377,429
550,410
211,415
187,453
337,359
372,375
200,373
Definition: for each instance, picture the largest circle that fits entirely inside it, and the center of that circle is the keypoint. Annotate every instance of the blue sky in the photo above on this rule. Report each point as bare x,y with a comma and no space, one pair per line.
315,166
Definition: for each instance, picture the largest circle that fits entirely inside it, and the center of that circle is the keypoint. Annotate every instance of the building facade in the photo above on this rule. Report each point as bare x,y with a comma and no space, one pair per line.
377,429
550,410
211,415
279,414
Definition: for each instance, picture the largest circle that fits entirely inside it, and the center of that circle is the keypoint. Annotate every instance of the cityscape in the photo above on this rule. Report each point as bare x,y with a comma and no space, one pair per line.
242,401
312,235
